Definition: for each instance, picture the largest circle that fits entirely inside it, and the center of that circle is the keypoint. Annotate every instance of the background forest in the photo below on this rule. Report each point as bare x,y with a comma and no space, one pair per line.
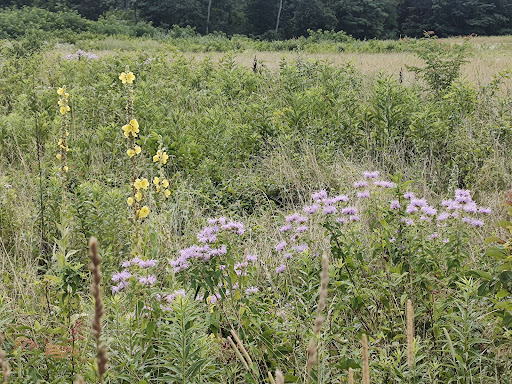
282,19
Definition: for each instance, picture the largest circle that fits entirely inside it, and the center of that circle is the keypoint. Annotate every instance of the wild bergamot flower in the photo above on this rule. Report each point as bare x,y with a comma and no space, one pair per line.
127,77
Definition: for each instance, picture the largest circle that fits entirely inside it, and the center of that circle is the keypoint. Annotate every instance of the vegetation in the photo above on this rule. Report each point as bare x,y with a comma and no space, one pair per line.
308,223
284,19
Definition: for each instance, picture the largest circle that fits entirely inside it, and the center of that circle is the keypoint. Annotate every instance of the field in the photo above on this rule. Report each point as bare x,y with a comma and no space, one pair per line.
314,216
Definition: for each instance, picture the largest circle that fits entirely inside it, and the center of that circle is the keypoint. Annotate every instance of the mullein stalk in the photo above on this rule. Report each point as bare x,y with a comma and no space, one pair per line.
410,333
279,377
366,362
319,321
62,154
94,267
6,371
350,376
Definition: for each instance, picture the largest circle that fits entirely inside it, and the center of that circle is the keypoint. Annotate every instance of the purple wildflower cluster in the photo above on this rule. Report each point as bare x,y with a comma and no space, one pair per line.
461,206
207,237
135,265
81,54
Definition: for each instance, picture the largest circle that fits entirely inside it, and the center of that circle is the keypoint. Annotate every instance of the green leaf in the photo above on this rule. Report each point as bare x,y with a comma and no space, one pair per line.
496,252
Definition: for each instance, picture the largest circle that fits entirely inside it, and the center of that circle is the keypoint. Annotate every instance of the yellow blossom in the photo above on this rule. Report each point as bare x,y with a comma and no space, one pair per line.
156,181
130,152
130,201
65,168
64,109
137,184
60,91
137,149
165,156
127,77
58,156
67,133
165,183
158,188
144,212
167,193
61,103
156,158
60,142
66,95
144,183
131,128
138,196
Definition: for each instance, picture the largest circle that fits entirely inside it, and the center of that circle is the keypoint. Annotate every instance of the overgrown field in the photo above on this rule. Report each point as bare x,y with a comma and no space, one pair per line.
257,223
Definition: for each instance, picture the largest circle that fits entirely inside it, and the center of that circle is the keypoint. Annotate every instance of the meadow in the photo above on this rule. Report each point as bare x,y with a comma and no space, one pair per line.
334,211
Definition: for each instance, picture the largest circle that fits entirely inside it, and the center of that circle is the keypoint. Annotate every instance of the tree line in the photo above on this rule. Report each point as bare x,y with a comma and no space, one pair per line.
279,19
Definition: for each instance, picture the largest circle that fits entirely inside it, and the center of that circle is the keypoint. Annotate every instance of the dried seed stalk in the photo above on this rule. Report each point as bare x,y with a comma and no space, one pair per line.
410,333
6,371
279,377
319,321
366,363
350,376
237,352
94,267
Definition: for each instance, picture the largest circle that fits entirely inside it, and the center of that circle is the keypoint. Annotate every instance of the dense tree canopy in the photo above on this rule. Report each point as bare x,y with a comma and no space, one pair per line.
364,19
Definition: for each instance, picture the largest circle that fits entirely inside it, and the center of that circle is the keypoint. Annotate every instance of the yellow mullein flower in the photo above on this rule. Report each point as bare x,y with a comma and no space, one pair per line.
157,188
65,168
167,193
130,152
137,149
127,130
60,91
137,184
64,109
138,196
67,133
165,183
66,95
60,142
58,156
156,181
135,124
144,212
156,158
144,183
127,77
61,103
130,201
165,156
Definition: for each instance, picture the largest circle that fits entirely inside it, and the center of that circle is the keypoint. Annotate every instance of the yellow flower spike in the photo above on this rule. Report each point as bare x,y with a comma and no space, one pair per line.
165,183
130,152
165,156
156,181
156,158
138,196
58,156
137,149
144,183
144,212
137,184
167,193
60,91
130,201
